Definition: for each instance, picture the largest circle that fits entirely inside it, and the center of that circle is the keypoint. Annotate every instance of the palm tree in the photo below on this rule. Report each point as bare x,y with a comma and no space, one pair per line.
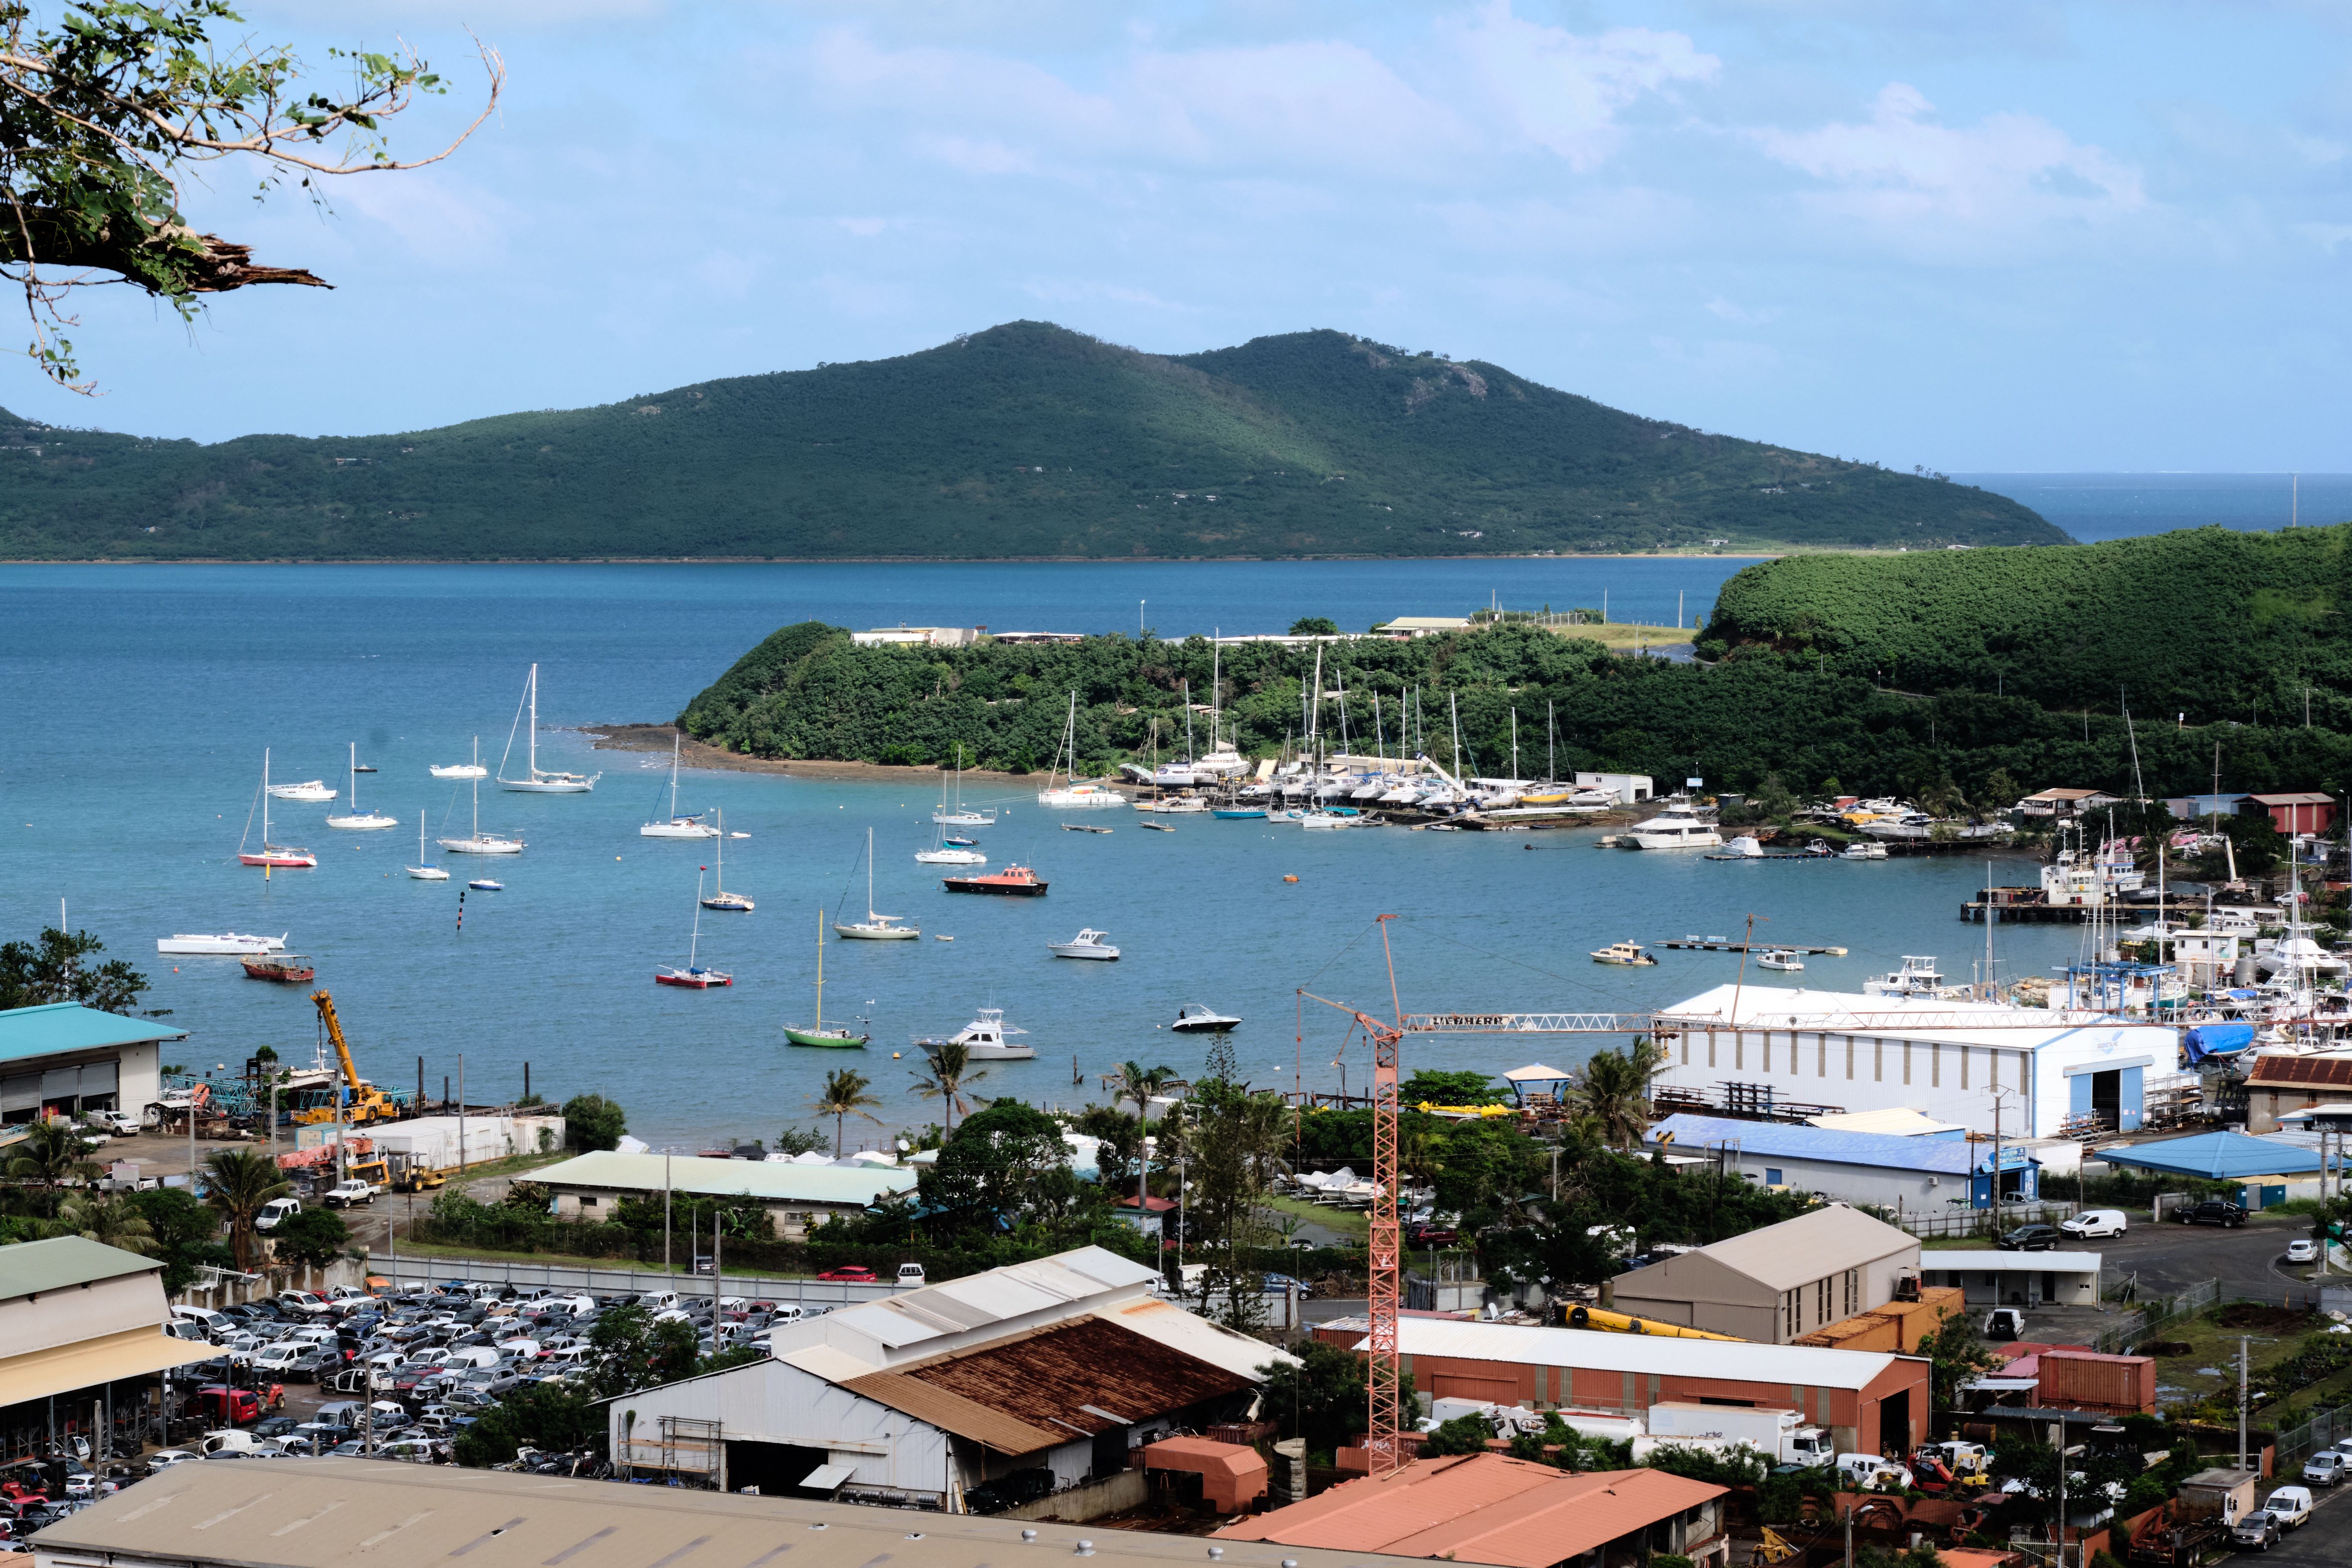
1135,1081
1616,1093
237,1182
845,1095
52,1155
951,1069
111,1221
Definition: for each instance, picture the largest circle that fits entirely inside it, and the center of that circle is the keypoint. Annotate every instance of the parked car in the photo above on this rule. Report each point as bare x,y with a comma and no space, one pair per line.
2258,1530
228,1406
851,1273
1427,1235
121,1123
2093,1222
2004,1323
911,1276
344,1194
2031,1238
2291,1506
2302,1250
2214,1211
2323,1469
276,1212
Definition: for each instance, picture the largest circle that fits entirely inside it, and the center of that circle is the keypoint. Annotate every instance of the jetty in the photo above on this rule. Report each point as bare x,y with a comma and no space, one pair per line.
1719,945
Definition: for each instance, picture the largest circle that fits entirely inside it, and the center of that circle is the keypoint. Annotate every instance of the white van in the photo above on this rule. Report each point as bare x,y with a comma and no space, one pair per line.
205,1318
472,1355
659,1300
276,1212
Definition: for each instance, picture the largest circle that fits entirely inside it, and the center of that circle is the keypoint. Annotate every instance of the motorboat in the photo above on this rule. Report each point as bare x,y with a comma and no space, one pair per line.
1919,976
694,977
1324,817
1239,813
230,944
486,885
312,792
1744,848
816,1035
874,927
460,770
1180,806
1073,794
1781,959
1863,850
985,1038
421,871
1194,1018
1015,881
285,969
734,903
1681,826
357,821
270,856
1628,953
675,826
537,781
1087,944
477,842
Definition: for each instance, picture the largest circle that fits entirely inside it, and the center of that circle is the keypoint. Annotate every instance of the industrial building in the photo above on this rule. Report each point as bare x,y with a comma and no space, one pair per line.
63,1058
796,1196
1060,1367
1989,1277
1776,1284
1928,1174
81,1342
1870,1400
2270,1169
1490,1508
1764,1046
2278,1085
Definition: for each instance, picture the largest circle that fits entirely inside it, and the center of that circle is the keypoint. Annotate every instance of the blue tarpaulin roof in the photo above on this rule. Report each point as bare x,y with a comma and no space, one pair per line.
2218,1156
1783,1140
2215,1039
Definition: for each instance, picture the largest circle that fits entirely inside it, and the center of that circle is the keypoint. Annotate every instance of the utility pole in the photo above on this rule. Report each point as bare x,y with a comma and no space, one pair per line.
2061,1534
665,1263
2242,1402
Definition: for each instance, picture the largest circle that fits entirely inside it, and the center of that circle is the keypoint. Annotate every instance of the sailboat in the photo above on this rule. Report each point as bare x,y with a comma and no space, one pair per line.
949,849
477,842
720,897
677,827
538,780
1073,794
874,928
694,977
816,1034
960,815
270,854
461,771
421,871
359,821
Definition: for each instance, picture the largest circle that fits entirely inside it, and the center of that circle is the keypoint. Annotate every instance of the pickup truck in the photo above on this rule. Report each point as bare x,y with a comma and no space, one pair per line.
351,1190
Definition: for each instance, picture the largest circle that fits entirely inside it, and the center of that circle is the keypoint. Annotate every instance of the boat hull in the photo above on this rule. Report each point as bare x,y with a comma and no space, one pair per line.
1219,1026
462,770
283,973
427,872
965,819
482,846
368,822
558,784
826,1039
950,857
692,979
676,831
228,944
877,933
733,903
999,1053
283,861
1072,950
1001,889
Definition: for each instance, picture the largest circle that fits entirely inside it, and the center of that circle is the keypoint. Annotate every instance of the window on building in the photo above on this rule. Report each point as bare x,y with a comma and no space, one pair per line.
1852,1291
1771,1176
1822,1300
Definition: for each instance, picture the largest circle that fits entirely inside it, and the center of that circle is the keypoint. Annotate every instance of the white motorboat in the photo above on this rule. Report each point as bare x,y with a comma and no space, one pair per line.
476,842
421,871
1919,976
537,781
230,943
357,821
1626,952
1075,794
1745,847
312,792
874,927
461,771
1863,850
270,856
675,826
984,1039
1194,1018
1782,958
1087,944
1681,826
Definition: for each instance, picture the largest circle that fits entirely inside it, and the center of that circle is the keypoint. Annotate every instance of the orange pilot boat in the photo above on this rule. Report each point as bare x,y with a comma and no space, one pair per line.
1017,881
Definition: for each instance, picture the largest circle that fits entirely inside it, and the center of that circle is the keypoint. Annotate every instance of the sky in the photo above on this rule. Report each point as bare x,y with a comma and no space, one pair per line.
2011,237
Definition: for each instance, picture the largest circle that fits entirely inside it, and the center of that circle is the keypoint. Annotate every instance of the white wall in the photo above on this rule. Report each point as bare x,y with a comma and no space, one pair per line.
774,1402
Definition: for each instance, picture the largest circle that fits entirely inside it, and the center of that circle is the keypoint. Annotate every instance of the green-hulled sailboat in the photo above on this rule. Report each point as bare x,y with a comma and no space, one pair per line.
816,1034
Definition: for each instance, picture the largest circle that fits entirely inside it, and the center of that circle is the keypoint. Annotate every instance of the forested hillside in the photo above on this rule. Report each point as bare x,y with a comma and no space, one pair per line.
1022,441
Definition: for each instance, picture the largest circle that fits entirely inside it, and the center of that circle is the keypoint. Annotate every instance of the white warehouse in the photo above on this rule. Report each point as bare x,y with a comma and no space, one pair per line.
1953,1061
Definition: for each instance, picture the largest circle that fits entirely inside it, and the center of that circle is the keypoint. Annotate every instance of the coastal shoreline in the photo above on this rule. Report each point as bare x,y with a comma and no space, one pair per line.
693,753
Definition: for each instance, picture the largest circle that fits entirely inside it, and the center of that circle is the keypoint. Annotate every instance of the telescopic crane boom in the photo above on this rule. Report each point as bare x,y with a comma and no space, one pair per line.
364,1102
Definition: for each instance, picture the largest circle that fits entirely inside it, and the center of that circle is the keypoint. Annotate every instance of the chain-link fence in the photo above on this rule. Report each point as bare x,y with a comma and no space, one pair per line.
2296,1444
2154,1313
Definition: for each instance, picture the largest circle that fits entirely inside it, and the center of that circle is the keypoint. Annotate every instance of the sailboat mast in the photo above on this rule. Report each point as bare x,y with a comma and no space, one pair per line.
531,741
1188,723
870,873
820,973
693,943
265,800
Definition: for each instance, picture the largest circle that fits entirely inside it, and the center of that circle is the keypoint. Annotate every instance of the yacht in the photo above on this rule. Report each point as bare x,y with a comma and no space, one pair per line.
1919,976
1679,827
2090,879
1863,850
1074,793
538,780
227,942
460,770
673,826
270,855
1087,944
1194,1018
874,928
357,820
312,792
476,842
1626,952
984,1039
1781,959
1743,848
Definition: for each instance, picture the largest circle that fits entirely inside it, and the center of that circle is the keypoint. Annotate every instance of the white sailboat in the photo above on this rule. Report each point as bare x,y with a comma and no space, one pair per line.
960,815
694,977
943,853
1075,794
312,792
421,871
720,897
676,826
356,819
270,854
477,842
874,928
536,780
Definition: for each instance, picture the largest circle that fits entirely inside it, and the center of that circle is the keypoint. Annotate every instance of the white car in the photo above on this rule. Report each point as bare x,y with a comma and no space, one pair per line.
343,1193
2095,1222
120,1122
2302,1250
168,1457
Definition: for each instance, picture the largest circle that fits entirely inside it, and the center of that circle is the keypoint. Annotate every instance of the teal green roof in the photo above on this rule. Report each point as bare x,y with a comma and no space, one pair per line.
68,1026
31,1268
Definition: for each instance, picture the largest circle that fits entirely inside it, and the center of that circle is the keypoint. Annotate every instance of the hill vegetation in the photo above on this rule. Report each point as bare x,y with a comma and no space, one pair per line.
1022,441
1800,710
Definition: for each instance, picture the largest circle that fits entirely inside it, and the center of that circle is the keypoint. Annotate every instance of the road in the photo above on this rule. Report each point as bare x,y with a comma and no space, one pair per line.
2248,1261
2324,1543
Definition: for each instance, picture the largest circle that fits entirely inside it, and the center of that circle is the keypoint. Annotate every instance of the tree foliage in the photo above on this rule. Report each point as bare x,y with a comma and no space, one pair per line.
313,1238
591,1122
236,1184
58,968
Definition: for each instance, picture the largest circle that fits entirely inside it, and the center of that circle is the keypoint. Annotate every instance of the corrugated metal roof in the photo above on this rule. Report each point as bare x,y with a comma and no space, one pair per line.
1482,1507
30,1268
999,1295
1801,1250
1790,1140
2331,1070
773,1181
1076,1378
365,1512
952,1412
1170,1325
56,1026
1770,1007
2218,1156
1639,1354
61,1369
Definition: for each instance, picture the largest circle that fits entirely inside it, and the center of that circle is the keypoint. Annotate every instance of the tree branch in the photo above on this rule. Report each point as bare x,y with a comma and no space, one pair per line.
212,264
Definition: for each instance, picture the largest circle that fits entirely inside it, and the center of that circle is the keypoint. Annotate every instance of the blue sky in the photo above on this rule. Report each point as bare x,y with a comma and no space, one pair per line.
1976,236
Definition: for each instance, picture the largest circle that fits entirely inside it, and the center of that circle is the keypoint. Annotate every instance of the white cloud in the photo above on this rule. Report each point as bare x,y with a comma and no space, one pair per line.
1564,91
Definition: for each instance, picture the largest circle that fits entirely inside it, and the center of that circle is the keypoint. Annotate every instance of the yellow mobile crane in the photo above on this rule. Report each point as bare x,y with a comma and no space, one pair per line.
366,1103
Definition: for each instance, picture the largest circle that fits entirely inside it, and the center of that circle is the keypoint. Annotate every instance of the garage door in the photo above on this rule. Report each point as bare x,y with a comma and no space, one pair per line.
1487,1390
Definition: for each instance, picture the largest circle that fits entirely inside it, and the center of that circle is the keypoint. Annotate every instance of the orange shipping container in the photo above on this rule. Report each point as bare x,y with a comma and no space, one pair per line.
2080,1379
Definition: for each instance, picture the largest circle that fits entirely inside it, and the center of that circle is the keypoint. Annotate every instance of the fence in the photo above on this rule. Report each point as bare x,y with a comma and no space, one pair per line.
2296,1444
623,1282
1977,1221
2129,1331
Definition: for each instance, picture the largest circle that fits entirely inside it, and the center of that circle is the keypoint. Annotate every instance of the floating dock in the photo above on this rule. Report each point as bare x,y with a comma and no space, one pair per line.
1712,944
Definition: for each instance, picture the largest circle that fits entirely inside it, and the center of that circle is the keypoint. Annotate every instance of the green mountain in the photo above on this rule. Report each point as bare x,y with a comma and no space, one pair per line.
1024,441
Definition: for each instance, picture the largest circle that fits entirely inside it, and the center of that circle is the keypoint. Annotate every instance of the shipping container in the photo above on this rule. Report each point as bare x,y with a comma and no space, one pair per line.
2081,1380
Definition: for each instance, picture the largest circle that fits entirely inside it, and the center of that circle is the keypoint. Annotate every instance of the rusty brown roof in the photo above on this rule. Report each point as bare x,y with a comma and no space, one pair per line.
1072,1380
2335,1070
952,1412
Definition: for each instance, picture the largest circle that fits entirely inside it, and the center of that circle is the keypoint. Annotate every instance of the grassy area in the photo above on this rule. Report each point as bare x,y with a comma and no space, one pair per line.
514,1166
1624,635
1356,1222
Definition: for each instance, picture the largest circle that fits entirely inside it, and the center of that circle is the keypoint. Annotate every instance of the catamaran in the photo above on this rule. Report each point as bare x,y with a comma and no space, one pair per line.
357,820
676,826
538,780
694,977
477,842
816,1034
421,871
1073,794
960,815
270,854
874,927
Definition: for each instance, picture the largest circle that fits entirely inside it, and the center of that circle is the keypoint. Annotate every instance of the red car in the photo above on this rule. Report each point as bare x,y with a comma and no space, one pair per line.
853,1273
229,1406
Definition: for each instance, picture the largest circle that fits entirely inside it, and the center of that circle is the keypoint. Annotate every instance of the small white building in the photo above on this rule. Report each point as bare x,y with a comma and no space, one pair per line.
591,1186
1629,788
1426,625
1994,1279
904,635
1957,1061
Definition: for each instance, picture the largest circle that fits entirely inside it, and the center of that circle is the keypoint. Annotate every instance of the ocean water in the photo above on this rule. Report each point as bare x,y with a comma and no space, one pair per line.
146,696
2096,507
